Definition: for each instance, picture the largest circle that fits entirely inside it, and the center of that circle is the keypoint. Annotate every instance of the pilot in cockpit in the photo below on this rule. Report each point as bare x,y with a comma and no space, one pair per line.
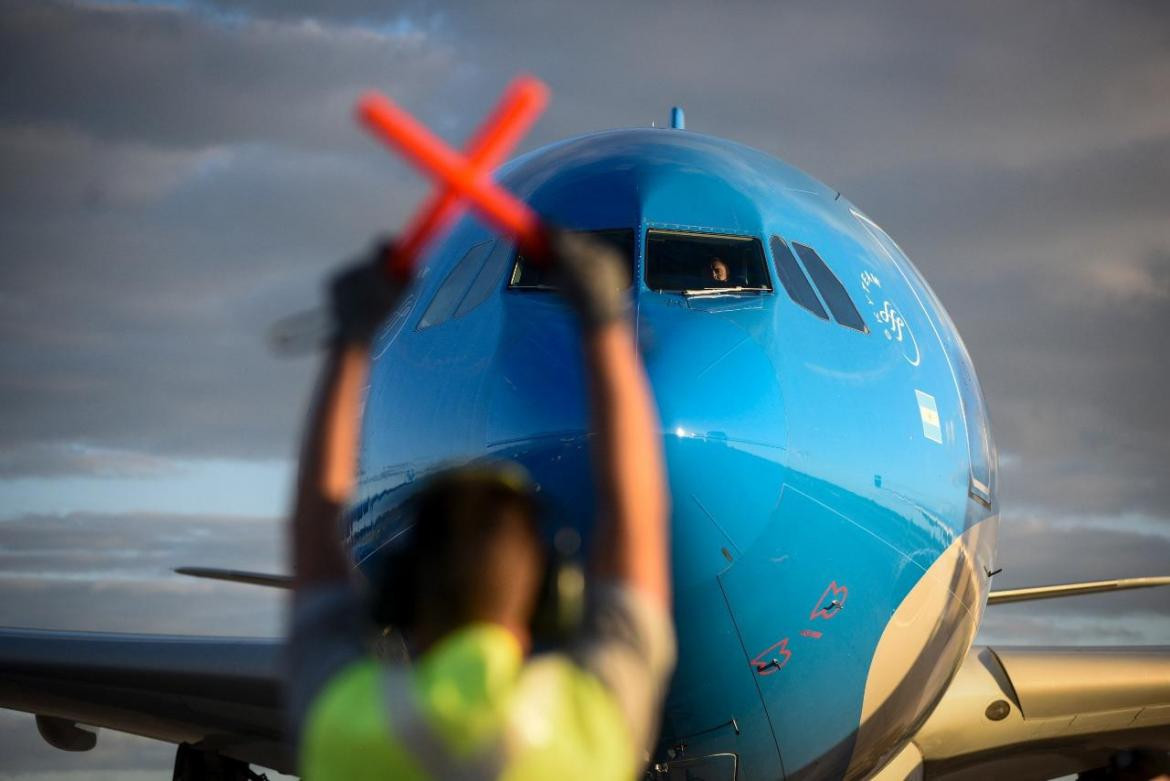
719,270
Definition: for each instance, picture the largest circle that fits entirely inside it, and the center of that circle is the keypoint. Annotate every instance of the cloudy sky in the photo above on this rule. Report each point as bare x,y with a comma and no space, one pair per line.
176,175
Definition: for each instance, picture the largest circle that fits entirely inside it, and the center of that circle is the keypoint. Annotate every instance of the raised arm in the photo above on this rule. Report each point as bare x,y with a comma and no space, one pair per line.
362,297
627,639
328,622
632,543
327,465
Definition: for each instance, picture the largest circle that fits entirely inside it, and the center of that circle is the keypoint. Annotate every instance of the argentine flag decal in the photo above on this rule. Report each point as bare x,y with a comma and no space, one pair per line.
928,410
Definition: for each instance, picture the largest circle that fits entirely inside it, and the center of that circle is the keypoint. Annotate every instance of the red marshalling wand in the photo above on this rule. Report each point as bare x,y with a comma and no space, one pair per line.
463,178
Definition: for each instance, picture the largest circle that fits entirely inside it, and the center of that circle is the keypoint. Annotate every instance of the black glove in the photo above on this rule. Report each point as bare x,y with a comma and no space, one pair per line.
363,295
592,275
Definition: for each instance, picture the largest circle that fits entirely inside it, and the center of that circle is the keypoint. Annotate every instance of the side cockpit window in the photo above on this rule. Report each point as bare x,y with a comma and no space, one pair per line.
794,280
451,293
813,285
831,289
531,276
705,264
488,278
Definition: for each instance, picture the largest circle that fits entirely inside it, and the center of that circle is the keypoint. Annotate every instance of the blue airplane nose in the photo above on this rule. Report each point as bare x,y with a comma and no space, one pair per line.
709,363
723,421
725,433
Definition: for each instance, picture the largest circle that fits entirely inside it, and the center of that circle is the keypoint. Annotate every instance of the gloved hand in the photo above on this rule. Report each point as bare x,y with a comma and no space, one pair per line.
592,275
362,296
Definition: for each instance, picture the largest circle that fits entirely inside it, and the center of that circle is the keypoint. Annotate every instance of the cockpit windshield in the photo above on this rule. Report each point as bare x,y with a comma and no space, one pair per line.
527,276
702,264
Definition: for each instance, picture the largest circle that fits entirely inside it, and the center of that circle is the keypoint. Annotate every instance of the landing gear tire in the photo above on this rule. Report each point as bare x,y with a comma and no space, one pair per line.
193,764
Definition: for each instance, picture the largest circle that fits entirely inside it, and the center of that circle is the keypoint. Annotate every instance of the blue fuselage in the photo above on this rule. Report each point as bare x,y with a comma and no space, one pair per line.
833,488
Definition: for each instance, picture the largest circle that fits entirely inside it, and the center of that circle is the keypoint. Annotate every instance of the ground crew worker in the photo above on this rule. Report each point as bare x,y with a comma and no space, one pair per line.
472,705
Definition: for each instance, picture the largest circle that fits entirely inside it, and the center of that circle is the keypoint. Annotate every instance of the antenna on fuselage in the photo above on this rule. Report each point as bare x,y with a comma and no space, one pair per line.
678,119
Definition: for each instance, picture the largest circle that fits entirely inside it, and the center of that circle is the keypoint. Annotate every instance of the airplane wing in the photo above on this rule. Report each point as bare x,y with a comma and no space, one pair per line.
244,576
1030,593
1036,713
219,694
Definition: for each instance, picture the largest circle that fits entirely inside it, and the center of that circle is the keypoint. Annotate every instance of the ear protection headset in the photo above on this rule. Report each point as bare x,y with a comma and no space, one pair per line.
397,579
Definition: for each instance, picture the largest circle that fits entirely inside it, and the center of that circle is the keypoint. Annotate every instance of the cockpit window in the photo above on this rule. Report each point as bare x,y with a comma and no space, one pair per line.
528,276
705,264
487,280
794,280
454,287
831,289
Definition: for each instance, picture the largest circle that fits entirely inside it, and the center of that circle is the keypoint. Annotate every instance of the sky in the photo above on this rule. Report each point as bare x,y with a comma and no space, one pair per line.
175,176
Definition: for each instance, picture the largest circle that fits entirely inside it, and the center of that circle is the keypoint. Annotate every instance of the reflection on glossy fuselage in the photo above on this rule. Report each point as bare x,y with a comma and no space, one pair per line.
833,489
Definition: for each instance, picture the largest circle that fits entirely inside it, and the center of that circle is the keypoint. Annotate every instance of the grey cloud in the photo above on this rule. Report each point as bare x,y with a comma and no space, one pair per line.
1047,545
55,169
370,12
49,460
174,78
82,571
843,89
1148,278
1075,389
170,188
1018,625
142,327
1050,546
837,90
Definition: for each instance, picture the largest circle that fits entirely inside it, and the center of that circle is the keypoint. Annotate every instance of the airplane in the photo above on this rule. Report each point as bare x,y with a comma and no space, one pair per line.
832,472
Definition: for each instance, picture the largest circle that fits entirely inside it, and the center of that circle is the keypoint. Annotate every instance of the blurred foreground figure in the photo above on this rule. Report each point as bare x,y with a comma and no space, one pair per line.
472,705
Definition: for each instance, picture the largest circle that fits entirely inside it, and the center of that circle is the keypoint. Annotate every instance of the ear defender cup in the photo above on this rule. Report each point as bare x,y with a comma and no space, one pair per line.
560,602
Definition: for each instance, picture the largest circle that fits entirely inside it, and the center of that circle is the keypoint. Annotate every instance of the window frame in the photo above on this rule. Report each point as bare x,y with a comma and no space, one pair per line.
831,278
516,268
713,234
490,274
448,278
823,313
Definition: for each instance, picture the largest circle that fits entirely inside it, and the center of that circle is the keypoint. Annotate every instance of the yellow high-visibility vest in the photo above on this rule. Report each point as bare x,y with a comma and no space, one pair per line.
471,708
